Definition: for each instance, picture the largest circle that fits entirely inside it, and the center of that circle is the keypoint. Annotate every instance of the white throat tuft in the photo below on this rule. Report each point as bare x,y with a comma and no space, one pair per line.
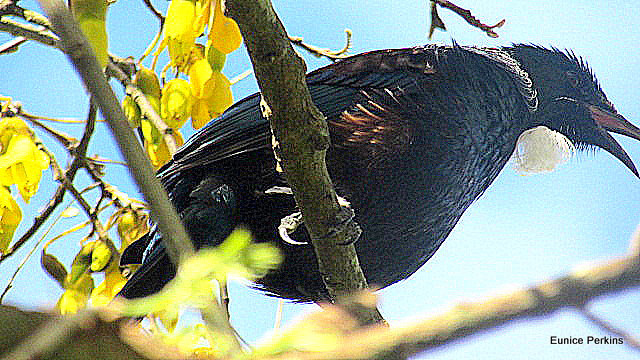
540,150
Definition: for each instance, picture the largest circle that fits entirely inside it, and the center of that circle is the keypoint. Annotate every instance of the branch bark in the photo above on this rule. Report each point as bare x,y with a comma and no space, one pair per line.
466,319
301,139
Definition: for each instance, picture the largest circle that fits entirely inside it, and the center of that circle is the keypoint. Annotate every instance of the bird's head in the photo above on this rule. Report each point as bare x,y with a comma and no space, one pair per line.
571,102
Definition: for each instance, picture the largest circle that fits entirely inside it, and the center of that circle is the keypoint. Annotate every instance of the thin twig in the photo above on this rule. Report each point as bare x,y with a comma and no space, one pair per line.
278,318
151,46
241,76
66,140
469,18
610,328
31,32
155,12
59,120
102,160
98,228
9,7
12,46
332,55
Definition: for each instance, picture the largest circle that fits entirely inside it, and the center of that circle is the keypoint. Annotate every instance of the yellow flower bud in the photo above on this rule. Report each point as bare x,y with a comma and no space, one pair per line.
147,81
131,111
80,265
200,113
159,153
10,126
75,297
225,34
109,287
100,256
131,226
176,103
22,164
10,217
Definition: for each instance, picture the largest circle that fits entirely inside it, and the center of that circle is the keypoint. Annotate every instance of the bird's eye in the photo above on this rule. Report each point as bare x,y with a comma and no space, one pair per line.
574,79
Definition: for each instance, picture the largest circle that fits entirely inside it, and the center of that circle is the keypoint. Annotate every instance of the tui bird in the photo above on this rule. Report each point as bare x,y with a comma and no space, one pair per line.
417,134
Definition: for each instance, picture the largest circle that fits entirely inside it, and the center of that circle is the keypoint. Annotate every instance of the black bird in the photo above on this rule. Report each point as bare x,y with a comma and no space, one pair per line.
417,135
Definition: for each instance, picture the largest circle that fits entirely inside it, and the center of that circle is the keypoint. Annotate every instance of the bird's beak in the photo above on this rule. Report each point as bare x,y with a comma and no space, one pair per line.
618,124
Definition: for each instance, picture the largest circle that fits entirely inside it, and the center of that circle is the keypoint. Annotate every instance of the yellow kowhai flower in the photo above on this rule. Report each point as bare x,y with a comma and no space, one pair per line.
158,150
110,287
176,103
131,226
101,256
22,164
184,23
10,217
10,126
224,34
211,90
75,296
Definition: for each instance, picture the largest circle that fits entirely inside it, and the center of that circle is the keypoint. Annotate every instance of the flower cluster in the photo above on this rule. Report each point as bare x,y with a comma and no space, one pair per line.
98,256
21,164
202,92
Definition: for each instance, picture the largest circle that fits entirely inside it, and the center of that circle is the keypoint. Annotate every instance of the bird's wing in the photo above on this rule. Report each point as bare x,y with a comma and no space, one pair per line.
361,85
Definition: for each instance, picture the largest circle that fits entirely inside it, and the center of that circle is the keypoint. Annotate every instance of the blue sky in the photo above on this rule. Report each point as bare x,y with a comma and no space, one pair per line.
524,229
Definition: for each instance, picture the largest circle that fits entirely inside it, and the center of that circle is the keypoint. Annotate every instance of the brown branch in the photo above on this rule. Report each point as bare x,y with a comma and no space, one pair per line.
332,55
154,11
66,140
84,335
12,46
301,140
9,7
465,14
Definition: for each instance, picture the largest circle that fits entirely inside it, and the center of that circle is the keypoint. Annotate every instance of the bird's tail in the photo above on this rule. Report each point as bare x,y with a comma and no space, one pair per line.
157,269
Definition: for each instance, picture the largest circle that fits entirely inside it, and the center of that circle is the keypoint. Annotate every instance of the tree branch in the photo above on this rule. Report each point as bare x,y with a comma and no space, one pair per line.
332,55
85,335
30,32
154,11
301,140
471,318
629,340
